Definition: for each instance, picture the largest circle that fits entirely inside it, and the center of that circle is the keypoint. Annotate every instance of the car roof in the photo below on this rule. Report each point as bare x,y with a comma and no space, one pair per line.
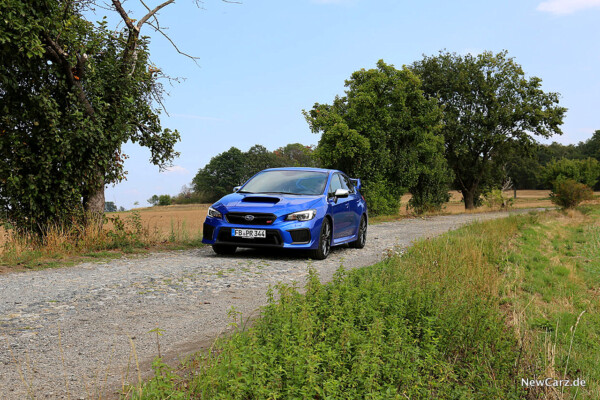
311,169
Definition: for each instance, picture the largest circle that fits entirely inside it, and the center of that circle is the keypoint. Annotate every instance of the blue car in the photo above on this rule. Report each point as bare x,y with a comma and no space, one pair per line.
296,208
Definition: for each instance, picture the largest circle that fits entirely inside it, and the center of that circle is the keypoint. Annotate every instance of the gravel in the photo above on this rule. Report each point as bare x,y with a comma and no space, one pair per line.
70,332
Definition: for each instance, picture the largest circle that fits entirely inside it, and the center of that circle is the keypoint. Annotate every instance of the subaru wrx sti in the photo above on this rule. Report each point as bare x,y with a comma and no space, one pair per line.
295,208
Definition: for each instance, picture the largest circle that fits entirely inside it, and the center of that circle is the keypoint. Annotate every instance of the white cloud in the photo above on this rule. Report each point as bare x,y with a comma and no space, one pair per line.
176,169
563,7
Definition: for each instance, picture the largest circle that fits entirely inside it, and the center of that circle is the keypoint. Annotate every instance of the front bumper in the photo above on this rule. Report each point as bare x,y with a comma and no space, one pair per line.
285,234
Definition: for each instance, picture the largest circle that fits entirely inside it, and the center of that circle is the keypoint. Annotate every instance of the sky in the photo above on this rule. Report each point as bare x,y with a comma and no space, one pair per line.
260,63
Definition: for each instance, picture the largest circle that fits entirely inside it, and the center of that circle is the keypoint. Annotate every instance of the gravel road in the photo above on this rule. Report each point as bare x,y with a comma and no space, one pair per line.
68,332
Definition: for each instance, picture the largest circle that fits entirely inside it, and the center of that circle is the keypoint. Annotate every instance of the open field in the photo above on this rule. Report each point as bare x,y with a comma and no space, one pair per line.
164,221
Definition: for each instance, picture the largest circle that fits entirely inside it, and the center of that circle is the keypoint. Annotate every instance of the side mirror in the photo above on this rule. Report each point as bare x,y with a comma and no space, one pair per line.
341,193
235,189
356,183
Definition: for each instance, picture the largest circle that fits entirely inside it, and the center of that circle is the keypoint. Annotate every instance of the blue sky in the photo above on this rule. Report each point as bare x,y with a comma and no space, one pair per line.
262,62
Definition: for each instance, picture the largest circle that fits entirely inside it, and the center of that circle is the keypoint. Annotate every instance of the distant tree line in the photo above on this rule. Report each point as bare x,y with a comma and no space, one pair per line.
234,167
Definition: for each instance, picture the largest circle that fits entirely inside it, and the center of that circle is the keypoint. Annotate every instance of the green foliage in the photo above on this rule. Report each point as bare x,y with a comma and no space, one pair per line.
71,93
110,206
164,200
584,171
153,200
591,147
164,385
385,132
489,107
430,192
568,193
495,199
234,167
297,155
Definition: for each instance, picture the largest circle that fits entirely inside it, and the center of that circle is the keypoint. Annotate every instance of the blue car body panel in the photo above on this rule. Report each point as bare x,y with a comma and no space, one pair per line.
272,209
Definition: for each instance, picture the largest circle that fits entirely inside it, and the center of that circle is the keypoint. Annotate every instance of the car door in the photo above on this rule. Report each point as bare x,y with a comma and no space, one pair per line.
338,207
353,211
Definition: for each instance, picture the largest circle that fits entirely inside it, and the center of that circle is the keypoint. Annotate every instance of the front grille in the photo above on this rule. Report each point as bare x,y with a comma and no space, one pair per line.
273,238
208,231
239,218
300,235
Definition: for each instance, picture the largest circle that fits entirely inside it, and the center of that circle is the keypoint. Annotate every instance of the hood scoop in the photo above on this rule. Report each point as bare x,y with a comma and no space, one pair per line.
261,199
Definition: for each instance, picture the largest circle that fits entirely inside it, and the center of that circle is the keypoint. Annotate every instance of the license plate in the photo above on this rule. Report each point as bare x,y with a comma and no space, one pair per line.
249,233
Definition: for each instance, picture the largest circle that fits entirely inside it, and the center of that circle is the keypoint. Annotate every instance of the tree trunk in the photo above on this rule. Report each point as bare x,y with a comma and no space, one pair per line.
469,198
93,202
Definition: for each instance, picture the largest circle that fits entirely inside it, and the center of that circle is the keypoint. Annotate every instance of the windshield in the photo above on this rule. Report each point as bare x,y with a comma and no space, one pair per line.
287,182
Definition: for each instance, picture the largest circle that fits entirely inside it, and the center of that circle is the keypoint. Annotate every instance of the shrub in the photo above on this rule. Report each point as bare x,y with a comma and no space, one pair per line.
495,199
431,189
164,200
583,171
568,193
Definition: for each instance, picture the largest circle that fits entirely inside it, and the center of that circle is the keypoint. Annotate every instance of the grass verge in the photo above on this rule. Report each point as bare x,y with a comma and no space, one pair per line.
466,315
63,247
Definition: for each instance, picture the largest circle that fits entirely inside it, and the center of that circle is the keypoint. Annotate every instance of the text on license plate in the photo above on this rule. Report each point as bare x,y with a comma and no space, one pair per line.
249,233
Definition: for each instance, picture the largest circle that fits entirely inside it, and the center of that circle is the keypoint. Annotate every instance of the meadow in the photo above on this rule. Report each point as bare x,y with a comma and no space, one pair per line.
170,227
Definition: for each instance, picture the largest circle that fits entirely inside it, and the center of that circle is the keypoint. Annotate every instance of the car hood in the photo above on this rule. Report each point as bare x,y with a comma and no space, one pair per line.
268,203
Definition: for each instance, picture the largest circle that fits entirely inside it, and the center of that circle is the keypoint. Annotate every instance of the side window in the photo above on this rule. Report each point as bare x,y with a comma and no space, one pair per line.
346,184
335,183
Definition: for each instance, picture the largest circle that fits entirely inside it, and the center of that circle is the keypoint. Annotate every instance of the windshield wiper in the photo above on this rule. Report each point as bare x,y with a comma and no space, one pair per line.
243,191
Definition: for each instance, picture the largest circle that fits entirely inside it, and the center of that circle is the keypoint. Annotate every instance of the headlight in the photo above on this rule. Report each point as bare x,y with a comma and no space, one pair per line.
214,213
302,215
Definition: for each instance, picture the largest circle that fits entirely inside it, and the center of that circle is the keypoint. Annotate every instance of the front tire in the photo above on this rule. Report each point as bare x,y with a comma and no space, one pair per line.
361,239
224,249
324,248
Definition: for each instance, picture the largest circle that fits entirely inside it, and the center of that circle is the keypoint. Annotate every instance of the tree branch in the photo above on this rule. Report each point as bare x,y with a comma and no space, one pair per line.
151,13
123,13
159,30
61,57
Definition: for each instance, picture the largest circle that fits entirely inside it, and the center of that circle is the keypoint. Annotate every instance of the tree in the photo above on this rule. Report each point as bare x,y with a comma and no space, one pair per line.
221,174
581,171
591,147
489,106
153,200
110,206
72,92
297,155
121,208
384,131
258,158
164,200
234,167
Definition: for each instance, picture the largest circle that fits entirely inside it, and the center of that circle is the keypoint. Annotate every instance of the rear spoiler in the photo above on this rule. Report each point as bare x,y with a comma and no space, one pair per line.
356,183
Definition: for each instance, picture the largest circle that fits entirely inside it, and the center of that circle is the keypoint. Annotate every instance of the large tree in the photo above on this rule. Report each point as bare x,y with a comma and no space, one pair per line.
384,131
72,92
489,106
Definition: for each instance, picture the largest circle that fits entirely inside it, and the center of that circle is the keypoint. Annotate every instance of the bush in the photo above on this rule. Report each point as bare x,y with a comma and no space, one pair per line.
495,199
164,200
583,171
568,193
431,189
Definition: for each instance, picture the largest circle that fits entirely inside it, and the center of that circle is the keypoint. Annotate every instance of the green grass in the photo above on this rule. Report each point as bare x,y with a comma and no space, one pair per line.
428,324
555,278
